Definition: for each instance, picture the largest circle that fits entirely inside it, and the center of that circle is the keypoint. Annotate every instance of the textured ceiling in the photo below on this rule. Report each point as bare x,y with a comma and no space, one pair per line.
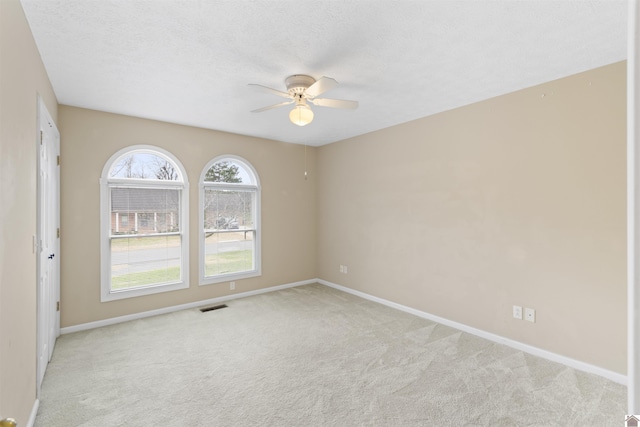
190,62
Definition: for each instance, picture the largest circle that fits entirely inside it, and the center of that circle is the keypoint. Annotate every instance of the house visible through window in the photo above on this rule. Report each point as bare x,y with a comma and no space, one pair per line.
229,220
144,232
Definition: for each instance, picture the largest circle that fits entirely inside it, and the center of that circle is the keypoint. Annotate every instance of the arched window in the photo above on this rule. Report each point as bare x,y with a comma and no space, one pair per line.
229,220
144,214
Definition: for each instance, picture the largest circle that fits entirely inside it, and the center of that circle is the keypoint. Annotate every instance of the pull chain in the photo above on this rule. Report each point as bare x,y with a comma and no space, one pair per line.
305,162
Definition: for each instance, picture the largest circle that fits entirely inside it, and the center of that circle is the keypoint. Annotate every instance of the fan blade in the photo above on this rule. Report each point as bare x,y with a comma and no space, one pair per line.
321,85
335,103
260,110
269,90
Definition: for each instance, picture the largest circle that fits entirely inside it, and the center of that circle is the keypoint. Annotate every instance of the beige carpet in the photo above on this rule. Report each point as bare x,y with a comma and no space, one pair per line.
310,356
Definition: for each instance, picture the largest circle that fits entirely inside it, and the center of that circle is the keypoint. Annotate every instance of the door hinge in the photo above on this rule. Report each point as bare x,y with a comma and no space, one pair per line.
58,160
58,306
58,233
41,136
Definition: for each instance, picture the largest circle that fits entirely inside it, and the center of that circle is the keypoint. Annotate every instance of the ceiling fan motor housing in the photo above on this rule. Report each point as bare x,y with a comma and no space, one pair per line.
298,83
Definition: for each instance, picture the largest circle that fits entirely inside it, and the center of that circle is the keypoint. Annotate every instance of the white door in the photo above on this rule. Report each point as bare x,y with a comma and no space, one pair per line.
48,238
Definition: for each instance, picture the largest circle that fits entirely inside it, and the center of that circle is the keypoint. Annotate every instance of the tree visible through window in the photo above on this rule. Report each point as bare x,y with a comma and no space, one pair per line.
144,249
223,172
230,221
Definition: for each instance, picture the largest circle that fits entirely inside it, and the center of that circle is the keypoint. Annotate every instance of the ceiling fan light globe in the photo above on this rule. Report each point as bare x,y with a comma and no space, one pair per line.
301,115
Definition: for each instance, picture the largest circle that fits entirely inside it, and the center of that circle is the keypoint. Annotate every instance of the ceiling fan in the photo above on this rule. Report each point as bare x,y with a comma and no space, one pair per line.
303,89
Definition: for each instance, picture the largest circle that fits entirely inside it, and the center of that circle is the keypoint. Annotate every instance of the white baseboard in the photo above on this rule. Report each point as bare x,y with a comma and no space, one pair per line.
34,412
134,316
572,363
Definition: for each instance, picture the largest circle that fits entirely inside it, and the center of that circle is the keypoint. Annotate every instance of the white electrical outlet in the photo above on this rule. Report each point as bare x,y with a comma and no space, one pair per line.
232,285
341,268
530,314
517,312
346,270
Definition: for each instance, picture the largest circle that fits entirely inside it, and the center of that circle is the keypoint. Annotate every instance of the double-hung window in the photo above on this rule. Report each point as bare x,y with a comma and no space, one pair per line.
144,213
229,220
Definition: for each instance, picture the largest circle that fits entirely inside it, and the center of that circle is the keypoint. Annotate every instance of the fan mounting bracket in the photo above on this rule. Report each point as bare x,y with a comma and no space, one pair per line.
298,83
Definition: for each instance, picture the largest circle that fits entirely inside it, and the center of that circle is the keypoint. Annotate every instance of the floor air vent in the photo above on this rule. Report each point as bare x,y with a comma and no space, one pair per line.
215,307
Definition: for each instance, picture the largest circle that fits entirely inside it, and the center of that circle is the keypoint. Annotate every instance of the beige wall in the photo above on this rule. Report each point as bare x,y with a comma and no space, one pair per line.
22,77
515,200
90,138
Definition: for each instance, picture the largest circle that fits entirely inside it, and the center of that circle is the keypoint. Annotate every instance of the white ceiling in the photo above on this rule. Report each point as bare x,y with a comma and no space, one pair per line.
189,61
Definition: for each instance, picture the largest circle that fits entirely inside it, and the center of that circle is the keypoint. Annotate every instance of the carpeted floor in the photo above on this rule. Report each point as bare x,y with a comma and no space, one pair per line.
310,356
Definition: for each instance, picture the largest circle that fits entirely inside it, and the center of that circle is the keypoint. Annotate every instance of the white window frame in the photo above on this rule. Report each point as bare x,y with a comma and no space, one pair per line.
257,270
106,183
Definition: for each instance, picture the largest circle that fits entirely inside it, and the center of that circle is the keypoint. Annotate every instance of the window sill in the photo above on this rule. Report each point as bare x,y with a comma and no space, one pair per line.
138,292
212,280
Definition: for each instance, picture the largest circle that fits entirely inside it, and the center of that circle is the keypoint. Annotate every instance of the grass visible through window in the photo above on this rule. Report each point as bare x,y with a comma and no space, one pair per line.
220,263
142,242
145,278
228,262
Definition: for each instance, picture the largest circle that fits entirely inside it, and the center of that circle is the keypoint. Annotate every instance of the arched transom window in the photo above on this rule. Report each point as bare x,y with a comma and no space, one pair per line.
229,220
143,223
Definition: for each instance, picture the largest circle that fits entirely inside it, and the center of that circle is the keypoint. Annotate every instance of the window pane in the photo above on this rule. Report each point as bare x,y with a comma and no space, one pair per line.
144,210
145,166
144,261
228,210
229,252
228,220
229,171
